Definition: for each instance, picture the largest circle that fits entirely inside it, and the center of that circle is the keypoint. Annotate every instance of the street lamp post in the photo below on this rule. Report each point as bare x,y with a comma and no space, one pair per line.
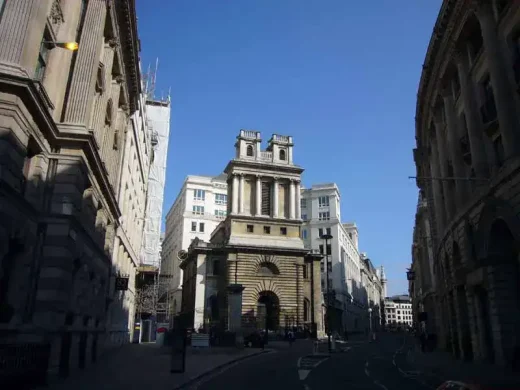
327,237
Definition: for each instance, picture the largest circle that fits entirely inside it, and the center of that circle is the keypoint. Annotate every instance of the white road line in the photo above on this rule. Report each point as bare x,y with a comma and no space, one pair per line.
377,383
303,374
367,373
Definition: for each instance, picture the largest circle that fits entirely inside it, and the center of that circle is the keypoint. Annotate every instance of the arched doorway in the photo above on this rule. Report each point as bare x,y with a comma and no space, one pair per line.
268,311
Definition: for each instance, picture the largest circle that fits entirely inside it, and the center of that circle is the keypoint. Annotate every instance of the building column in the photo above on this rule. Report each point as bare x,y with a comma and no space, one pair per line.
453,135
241,196
292,200
477,139
506,99
80,95
275,198
258,189
234,200
447,185
298,201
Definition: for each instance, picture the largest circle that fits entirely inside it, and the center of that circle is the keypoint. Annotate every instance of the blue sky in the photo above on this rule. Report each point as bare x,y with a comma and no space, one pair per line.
339,76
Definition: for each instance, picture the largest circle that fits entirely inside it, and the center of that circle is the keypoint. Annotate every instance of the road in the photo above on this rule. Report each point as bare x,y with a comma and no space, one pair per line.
379,365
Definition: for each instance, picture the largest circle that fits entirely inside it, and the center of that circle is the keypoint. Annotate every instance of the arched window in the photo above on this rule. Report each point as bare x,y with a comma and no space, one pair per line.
268,269
249,150
282,154
306,310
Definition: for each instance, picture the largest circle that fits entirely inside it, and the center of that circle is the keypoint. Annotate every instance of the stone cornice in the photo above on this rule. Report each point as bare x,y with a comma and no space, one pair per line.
261,168
27,90
127,23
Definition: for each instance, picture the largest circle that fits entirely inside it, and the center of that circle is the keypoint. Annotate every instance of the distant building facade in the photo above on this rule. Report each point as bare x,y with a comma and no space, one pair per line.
398,311
320,208
200,206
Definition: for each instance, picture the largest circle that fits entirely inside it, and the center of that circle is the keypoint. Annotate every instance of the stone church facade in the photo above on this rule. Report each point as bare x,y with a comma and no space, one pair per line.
257,249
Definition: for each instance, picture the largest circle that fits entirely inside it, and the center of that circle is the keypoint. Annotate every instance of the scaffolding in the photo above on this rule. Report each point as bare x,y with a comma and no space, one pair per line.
158,127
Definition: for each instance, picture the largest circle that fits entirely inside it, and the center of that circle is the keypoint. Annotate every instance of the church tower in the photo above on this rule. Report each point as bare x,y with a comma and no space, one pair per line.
255,272
264,193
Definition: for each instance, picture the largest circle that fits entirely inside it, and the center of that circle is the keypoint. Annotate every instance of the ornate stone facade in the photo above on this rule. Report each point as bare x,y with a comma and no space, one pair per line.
257,247
63,115
467,158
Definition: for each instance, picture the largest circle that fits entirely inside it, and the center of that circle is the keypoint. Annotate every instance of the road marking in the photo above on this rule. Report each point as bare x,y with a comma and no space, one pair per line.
377,383
303,374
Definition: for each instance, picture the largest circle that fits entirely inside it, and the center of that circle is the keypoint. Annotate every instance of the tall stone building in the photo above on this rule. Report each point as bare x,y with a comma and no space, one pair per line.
468,168
63,116
255,272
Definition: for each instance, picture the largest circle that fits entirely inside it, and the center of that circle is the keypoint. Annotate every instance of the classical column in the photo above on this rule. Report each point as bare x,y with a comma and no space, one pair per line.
241,196
453,135
506,99
292,199
258,189
477,139
298,200
440,211
234,200
16,19
80,95
275,197
442,149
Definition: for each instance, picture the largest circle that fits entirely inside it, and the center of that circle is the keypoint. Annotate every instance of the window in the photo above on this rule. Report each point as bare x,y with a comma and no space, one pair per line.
201,227
283,231
304,217
324,216
199,194
304,234
328,231
266,198
305,271
282,155
220,213
249,151
267,229
321,249
250,228
2,2
323,201
220,198
306,310
320,232
303,203
329,249
43,56
198,210
194,226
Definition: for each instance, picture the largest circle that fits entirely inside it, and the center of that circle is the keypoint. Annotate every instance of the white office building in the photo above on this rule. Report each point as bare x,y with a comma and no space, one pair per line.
398,311
200,206
320,209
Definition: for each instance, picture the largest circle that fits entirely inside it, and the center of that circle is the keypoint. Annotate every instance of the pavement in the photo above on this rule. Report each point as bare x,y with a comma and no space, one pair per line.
139,366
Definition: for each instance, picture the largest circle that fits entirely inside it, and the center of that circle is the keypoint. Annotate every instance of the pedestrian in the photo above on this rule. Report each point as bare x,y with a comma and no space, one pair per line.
290,336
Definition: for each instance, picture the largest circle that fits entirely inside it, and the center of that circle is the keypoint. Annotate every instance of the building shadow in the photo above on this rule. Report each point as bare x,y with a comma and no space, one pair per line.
59,303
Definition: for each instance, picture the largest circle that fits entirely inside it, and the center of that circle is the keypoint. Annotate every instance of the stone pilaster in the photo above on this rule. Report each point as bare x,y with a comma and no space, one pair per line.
235,312
476,137
241,195
258,190
234,200
292,200
453,137
16,36
439,206
506,98
85,68
275,198
447,185
298,195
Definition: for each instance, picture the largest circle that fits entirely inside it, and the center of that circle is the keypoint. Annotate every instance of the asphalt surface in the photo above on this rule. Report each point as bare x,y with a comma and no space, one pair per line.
382,365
